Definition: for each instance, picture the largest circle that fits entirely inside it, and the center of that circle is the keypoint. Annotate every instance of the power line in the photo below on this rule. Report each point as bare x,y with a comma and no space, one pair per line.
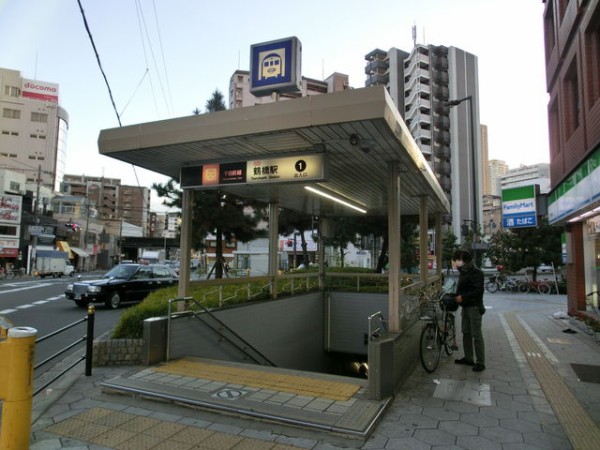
87,28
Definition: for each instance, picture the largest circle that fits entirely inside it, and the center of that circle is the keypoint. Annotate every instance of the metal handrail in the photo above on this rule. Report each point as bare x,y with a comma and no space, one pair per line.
221,323
377,331
89,338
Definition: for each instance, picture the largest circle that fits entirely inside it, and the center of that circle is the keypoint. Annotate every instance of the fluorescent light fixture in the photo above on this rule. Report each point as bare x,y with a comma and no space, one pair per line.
335,199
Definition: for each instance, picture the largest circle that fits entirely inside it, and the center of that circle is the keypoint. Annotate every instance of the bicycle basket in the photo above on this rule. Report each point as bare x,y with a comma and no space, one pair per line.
427,309
448,303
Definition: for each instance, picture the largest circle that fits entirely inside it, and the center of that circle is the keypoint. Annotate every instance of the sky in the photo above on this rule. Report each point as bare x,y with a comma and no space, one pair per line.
164,58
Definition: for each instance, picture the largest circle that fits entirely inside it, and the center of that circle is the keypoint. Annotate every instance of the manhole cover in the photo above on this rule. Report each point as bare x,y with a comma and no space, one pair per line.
229,394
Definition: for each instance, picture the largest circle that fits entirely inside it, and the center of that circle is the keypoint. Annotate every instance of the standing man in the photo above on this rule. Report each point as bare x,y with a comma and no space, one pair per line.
469,295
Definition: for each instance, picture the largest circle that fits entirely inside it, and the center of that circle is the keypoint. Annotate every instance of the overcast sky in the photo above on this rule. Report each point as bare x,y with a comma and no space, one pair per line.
164,58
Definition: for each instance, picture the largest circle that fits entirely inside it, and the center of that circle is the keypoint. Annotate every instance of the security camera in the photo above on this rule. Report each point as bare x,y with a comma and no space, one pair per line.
354,139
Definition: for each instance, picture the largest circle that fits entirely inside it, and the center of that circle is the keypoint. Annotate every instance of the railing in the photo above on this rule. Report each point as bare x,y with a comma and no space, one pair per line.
222,330
88,338
226,291
374,333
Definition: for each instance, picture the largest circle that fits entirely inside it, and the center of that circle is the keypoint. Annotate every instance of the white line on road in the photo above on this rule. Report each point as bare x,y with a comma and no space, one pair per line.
35,286
40,302
27,306
7,311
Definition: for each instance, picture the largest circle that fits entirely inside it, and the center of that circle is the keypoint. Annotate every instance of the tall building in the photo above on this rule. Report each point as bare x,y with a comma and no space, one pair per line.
496,170
33,130
422,83
526,176
240,96
572,51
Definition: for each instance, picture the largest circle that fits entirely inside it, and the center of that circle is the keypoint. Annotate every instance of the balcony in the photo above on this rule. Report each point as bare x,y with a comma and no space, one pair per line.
377,66
443,152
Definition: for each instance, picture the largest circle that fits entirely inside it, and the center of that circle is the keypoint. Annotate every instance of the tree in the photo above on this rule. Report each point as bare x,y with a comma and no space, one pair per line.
527,247
227,216
344,232
216,102
295,221
449,246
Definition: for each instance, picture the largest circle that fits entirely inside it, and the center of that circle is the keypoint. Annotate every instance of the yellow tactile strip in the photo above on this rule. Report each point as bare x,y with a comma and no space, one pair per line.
579,426
124,431
295,384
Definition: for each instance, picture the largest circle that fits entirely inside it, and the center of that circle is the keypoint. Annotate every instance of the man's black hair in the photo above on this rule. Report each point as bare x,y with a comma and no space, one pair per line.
463,255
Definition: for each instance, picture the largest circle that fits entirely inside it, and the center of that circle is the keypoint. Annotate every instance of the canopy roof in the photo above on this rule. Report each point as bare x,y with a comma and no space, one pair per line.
360,131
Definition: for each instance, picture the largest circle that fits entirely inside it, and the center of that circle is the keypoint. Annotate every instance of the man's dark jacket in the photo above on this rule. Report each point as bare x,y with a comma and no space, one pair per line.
470,286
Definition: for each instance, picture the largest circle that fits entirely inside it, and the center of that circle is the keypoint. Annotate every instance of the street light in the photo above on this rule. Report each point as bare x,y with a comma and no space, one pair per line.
452,103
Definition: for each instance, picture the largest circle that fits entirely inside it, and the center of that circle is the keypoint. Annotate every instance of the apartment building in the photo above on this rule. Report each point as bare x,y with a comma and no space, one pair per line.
436,91
572,55
240,96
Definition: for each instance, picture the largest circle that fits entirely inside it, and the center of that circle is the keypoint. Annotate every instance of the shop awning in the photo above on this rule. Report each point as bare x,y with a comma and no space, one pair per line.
63,246
79,252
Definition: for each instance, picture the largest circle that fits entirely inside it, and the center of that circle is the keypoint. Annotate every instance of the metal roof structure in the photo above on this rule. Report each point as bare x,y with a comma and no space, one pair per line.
360,131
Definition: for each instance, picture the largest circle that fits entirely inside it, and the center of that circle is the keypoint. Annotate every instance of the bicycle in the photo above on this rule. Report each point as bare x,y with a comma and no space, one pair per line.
591,302
439,330
501,283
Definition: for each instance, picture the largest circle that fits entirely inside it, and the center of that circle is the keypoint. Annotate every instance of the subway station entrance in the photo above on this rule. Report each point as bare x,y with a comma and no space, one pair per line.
334,155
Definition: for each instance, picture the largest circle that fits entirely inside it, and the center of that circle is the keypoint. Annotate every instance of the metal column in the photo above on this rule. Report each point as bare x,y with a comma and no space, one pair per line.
185,244
423,239
394,246
273,247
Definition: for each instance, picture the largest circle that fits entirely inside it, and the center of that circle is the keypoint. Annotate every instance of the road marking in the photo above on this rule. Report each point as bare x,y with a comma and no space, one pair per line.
27,306
40,302
7,311
35,286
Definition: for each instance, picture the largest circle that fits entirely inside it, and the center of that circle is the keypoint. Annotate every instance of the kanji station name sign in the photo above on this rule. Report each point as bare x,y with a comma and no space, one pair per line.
256,171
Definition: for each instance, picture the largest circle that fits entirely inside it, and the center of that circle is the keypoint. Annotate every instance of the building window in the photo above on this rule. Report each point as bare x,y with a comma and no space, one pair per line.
550,37
31,156
592,56
8,230
572,103
9,113
554,130
12,91
14,186
39,117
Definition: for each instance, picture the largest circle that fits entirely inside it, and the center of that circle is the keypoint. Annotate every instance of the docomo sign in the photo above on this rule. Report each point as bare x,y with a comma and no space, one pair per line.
40,90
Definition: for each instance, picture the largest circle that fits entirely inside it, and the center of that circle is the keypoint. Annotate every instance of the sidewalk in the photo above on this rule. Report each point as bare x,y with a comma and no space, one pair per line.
529,397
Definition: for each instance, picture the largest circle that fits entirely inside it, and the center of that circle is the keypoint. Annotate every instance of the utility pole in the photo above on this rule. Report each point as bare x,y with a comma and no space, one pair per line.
36,220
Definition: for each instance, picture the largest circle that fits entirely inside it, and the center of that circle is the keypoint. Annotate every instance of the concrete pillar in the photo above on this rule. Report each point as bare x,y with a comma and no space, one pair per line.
439,245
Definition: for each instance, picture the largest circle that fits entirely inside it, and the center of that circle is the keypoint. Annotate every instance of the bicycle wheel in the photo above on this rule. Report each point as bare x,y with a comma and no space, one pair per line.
449,335
429,348
524,287
544,288
491,286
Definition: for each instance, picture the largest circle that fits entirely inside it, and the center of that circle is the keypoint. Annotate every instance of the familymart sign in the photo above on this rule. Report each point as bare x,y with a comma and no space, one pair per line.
519,207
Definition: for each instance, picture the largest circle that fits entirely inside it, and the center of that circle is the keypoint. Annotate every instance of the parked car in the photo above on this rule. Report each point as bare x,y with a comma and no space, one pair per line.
122,283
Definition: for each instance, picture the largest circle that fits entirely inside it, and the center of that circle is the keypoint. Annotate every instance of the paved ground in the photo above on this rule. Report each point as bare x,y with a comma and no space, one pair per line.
529,397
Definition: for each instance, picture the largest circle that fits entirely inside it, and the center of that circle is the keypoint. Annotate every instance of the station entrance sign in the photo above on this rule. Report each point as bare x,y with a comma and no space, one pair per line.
287,169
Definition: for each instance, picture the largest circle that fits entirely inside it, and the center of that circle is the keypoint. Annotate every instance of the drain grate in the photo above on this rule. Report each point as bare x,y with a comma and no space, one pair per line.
587,373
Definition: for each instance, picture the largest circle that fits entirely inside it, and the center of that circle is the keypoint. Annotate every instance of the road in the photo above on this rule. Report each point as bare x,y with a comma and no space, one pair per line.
41,304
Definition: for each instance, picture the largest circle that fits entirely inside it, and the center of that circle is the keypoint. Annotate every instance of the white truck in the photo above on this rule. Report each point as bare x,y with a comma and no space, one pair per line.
52,263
